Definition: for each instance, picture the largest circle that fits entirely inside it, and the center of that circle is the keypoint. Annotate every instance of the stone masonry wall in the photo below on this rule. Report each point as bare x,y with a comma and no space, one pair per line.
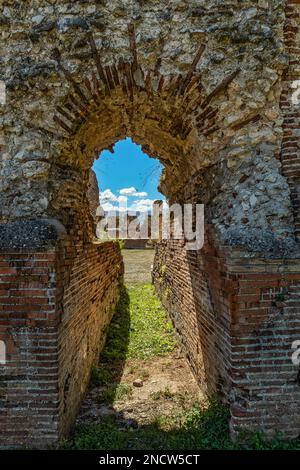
290,151
198,84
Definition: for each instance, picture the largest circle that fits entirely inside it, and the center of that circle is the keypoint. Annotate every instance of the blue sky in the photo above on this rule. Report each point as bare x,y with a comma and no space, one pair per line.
127,176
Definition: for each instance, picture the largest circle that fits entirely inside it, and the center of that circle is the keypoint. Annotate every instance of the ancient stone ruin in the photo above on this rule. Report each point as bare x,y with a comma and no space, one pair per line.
210,89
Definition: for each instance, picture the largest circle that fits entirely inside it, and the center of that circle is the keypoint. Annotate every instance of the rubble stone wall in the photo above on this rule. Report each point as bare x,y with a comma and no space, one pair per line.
198,84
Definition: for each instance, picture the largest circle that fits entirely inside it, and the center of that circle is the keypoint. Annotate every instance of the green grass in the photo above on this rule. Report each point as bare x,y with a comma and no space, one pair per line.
166,393
101,375
140,328
112,393
197,429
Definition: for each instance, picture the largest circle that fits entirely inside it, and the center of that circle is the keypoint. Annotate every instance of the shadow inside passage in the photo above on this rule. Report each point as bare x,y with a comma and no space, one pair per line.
115,431
107,375
202,429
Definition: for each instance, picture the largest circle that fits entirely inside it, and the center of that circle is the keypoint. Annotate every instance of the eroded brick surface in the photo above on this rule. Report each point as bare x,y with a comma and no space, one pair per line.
54,309
237,318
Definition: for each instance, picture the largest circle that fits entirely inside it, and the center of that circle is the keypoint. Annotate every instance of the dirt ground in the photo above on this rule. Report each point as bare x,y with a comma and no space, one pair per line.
138,265
166,388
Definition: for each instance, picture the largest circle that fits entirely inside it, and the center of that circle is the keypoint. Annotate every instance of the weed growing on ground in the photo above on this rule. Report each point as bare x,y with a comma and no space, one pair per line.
197,429
112,393
166,393
100,375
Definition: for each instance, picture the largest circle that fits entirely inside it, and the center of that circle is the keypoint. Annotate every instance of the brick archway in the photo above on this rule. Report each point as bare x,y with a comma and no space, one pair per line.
212,114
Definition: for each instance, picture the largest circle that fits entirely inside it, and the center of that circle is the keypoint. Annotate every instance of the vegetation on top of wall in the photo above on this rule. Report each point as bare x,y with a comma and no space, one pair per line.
163,269
120,243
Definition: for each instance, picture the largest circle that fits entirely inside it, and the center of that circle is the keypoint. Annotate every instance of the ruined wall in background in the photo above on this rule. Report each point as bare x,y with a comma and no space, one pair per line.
93,194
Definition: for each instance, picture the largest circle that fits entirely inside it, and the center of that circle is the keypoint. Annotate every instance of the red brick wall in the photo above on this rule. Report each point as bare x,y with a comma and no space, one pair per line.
28,326
265,323
237,317
193,290
91,291
54,306
290,153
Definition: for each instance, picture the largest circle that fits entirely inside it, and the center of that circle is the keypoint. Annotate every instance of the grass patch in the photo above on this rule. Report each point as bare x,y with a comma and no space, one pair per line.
165,393
112,393
100,375
196,429
140,328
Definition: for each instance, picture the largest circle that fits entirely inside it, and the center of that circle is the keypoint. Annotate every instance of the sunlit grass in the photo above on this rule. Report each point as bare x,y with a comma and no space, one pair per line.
140,328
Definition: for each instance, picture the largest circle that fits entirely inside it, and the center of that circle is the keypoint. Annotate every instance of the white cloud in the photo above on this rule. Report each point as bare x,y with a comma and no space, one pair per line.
141,194
143,205
133,192
108,195
110,202
122,199
107,206
128,191
142,208
145,202
110,208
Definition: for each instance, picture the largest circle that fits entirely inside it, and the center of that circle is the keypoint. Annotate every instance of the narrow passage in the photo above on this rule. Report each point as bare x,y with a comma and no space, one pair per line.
143,395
